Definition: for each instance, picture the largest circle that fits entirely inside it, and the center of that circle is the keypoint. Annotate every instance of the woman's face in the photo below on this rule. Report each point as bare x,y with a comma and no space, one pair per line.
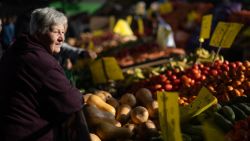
54,38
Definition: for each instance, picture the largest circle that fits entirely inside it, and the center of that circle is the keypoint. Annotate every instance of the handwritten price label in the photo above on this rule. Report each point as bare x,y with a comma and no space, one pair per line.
123,28
225,34
140,26
129,20
169,116
218,34
105,69
206,26
97,72
166,7
231,34
111,22
113,70
203,101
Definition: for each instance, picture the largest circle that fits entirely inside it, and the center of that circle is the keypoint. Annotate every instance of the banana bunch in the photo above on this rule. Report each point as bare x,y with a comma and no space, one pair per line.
204,55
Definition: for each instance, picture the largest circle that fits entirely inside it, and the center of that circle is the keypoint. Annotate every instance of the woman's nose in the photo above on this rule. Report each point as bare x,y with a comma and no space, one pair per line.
61,38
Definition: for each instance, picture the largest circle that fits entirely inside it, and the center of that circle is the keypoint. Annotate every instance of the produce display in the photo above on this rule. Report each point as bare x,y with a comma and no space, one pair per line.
128,110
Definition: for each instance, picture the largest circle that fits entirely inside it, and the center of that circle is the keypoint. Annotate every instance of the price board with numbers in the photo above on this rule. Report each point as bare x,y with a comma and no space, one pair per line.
206,26
169,116
203,101
225,34
105,69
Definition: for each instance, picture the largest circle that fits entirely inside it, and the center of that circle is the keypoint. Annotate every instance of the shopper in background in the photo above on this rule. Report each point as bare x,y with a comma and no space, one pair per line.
8,30
1,47
36,97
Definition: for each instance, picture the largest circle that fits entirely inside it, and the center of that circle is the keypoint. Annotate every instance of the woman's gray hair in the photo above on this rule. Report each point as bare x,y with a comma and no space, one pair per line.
42,19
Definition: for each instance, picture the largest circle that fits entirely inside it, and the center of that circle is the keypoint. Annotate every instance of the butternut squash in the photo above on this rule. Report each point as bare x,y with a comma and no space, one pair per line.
153,109
94,115
103,94
113,102
128,99
109,132
86,97
139,114
98,102
123,113
131,127
149,128
146,130
94,137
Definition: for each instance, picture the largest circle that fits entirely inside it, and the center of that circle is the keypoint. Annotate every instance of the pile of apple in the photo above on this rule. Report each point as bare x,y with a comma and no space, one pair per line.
224,79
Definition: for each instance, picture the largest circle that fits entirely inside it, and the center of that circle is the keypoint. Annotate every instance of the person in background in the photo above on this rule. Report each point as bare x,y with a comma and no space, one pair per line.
8,31
72,53
36,97
1,47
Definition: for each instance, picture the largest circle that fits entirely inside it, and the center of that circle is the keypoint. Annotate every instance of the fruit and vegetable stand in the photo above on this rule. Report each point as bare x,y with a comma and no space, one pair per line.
140,91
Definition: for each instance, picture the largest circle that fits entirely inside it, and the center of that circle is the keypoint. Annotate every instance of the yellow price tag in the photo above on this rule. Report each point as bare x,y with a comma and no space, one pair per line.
140,26
97,33
169,116
91,45
123,28
105,69
129,20
192,16
166,7
111,22
225,34
97,72
203,101
206,26
112,69
231,34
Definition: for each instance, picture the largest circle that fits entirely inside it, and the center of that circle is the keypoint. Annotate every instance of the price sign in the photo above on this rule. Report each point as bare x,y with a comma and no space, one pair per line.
225,34
140,26
206,26
122,28
91,45
129,20
169,116
218,34
111,22
97,72
192,16
166,7
112,69
105,69
230,35
203,101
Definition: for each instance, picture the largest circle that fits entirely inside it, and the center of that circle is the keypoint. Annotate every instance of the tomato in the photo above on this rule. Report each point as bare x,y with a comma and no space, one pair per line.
168,87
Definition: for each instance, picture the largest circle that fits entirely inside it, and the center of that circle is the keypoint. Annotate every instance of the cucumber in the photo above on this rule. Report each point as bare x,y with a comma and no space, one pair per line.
228,113
222,122
244,108
197,138
186,137
193,129
239,114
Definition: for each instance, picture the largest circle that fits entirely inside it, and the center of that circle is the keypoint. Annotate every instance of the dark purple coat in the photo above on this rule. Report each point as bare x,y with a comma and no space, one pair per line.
35,94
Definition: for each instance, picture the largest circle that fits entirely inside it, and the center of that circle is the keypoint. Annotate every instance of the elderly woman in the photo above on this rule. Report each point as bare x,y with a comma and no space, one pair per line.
35,95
